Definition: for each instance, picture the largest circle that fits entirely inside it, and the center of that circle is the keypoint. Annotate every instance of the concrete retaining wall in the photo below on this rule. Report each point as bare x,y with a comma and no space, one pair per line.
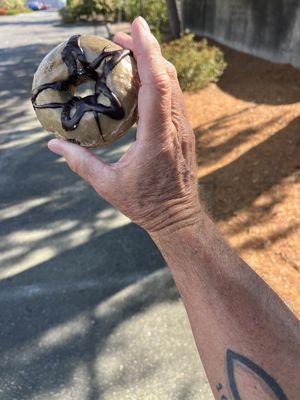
266,28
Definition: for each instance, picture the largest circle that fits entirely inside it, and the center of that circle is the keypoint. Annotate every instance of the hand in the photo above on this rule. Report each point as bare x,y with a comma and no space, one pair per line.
155,182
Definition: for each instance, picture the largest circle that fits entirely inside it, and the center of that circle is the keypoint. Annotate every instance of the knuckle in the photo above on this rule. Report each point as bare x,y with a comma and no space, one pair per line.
162,83
192,146
73,164
77,166
192,138
155,44
172,70
170,145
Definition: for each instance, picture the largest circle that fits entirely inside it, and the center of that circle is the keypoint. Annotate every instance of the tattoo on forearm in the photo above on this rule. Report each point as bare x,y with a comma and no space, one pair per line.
231,359
220,387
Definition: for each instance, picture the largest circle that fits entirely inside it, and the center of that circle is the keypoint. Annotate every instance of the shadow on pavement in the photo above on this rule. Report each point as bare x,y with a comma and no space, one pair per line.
65,253
72,269
64,293
17,66
26,23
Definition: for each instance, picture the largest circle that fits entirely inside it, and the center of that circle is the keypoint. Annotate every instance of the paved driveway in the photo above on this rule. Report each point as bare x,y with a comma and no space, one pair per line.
88,309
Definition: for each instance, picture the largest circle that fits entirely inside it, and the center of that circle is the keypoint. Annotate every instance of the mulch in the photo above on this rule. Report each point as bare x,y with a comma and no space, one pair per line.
248,148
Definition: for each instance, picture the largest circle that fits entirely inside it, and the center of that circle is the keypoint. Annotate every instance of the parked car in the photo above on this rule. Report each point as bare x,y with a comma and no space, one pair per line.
37,5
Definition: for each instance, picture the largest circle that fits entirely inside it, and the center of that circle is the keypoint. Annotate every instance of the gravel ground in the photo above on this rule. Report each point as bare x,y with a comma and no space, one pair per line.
248,145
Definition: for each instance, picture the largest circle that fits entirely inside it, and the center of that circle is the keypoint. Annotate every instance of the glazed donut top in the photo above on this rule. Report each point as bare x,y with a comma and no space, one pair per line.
79,70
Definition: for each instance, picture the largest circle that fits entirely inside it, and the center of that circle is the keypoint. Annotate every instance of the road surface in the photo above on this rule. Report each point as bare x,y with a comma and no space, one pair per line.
88,308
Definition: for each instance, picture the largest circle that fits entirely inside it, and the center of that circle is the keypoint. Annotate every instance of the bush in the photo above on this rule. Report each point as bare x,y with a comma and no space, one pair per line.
71,12
197,63
12,4
92,8
12,7
154,12
86,8
16,11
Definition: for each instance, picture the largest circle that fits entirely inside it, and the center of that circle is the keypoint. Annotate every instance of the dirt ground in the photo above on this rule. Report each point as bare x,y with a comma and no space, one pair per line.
248,147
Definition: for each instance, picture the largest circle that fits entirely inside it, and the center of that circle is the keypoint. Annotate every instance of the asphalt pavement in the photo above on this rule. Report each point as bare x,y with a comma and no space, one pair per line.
88,309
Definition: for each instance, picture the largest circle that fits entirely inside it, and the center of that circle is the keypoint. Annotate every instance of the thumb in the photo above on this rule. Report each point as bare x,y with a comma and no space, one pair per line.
85,164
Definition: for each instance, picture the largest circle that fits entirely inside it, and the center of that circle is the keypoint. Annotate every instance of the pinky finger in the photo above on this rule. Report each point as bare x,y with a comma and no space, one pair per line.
124,40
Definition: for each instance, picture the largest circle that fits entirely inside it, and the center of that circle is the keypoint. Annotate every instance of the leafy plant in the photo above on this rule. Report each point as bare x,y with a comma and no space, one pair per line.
92,8
87,8
13,7
16,11
196,62
154,12
71,12
12,4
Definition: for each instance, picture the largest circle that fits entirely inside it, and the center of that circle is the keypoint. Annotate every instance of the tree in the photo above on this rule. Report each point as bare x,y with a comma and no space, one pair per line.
174,20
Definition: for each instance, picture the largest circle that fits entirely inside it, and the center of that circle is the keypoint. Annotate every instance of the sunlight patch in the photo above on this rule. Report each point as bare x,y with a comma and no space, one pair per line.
63,333
110,218
32,260
21,208
31,236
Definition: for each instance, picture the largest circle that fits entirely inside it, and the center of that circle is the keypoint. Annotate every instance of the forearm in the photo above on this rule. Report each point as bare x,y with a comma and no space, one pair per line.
232,311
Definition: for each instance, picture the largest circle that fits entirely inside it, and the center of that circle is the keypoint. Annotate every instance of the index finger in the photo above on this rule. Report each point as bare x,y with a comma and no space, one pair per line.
147,53
154,102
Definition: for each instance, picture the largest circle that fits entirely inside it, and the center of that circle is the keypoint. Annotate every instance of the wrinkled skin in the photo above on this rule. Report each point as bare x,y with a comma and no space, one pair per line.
155,182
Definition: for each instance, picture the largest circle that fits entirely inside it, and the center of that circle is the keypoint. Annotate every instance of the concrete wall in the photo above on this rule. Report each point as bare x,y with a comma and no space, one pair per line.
266,28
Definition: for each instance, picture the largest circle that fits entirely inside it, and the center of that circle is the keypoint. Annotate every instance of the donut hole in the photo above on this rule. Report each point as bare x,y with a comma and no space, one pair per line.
86,88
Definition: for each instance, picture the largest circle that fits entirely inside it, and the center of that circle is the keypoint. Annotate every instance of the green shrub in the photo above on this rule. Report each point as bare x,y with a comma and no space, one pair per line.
71,12
13,7
16,11
12,4
92,8
86,8
154,12
197,63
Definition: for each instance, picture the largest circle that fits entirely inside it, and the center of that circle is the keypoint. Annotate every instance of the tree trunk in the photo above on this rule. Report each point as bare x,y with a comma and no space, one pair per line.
142,8
174,20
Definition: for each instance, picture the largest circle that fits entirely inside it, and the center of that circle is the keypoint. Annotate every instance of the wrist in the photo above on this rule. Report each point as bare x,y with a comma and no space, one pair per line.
186,251
186,228
173,220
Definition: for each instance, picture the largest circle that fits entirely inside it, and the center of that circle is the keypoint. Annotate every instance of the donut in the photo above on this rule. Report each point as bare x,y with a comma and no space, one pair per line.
100,117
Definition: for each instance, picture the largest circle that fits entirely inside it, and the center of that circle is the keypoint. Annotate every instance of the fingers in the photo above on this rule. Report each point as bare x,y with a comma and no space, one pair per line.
81,161
124,40
177,103
147,73
154,101
147,53
186,135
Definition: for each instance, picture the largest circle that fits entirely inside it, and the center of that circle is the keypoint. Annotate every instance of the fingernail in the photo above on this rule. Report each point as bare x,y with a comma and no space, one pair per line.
144,24
55,147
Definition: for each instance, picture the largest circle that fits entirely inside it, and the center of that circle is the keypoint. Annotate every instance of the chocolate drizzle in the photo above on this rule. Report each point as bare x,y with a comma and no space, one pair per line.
80,70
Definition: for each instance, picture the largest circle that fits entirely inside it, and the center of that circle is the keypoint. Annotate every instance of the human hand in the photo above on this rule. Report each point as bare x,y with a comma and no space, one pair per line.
155,181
